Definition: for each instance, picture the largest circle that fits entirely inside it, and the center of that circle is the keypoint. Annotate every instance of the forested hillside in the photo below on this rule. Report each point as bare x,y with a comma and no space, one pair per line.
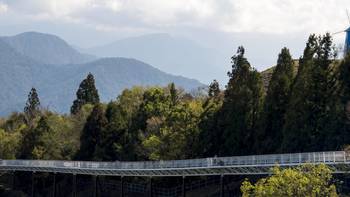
55,69
303,110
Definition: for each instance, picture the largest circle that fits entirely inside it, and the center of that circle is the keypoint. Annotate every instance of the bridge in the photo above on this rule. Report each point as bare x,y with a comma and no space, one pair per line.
338,161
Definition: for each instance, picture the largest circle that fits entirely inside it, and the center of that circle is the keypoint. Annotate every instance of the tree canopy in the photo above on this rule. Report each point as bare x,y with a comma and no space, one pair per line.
304,181
86,94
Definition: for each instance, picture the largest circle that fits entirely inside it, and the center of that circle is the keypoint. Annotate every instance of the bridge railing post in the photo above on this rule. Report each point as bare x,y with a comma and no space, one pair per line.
313,154
344,154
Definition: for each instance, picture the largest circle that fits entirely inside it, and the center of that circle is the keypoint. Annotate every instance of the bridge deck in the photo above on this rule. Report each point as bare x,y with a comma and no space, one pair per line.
237,165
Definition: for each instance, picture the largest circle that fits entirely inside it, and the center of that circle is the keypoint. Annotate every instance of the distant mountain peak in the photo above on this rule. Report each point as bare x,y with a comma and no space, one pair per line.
37,34
45,48
24,64
172,54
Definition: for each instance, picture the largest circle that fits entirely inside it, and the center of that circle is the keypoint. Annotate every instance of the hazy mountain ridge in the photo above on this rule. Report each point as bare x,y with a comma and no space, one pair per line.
112,75
57,84
46,48
171,54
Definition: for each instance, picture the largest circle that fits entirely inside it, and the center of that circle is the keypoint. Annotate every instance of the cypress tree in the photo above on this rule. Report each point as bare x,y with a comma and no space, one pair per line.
91,141
340,136
275,106
241,107
173,94
32,107
310,114
86,94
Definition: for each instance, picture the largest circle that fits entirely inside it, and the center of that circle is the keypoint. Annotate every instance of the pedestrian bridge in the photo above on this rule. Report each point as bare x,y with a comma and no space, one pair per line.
339,161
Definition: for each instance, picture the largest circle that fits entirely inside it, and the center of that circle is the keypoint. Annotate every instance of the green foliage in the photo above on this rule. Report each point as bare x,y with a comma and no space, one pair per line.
340,136
91,137
311,114
62,142
121,139
32,107
214,89
209,137
86,94
275,105
304,181
307,113
9,144
173,135
241,106
167,124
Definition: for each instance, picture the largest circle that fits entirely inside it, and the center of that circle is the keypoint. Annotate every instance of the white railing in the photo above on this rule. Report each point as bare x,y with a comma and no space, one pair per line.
253,160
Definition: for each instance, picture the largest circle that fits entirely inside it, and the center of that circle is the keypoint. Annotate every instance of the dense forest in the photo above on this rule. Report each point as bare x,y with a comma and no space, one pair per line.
305,107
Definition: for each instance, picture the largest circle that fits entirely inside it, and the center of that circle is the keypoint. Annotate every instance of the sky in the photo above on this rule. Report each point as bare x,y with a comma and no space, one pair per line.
263,26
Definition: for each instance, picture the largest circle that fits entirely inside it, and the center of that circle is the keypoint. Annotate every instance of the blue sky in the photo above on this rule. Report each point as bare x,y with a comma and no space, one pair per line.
264,26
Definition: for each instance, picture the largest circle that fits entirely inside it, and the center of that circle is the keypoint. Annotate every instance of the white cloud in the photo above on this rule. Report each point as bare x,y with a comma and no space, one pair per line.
3,7
282,16
264,16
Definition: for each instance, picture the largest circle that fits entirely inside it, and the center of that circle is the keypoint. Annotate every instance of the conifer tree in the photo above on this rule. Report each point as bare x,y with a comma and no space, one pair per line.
90,141
86,94
32,107
210,137
173,94
214,89
310,114
273,116
340,136
241,107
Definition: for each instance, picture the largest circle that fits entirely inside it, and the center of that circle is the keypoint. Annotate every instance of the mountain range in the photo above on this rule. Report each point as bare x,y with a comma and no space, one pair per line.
55,69
172,54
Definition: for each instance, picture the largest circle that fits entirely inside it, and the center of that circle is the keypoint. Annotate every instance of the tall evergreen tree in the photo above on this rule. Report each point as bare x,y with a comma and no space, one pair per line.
273,116
241,107
340,136
86,94
310,114
295,134
32,107
214,89
210,137
91,141
173,94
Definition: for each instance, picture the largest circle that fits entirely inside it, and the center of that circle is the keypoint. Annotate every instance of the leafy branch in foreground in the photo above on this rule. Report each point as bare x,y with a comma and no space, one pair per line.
304,181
